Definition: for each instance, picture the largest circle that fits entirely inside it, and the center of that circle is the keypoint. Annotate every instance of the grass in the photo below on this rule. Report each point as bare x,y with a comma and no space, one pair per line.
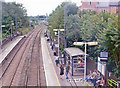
25,30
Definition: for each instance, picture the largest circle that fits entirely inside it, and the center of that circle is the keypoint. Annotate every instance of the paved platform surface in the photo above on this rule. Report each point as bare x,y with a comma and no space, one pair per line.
8,47
52,71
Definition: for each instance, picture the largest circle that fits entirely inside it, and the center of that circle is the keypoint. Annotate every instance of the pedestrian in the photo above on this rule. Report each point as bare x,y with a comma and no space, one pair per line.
52,45
67,70
100,82
61,71
57,61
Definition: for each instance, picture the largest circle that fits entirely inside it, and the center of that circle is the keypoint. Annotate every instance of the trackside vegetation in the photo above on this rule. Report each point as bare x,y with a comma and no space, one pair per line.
89,26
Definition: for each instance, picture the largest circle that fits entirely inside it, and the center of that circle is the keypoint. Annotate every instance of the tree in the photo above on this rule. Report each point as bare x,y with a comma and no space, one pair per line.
111,40
56,18
89,26
74,29
11,12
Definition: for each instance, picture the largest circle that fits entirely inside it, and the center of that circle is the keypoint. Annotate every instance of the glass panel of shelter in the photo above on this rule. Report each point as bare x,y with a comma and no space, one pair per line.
78,64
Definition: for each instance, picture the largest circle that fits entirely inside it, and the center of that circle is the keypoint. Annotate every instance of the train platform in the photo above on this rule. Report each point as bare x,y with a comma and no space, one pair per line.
6,49
52,71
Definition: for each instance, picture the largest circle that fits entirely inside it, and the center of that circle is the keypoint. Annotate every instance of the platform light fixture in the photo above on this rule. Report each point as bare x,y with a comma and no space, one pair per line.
1,34
58,37
82,43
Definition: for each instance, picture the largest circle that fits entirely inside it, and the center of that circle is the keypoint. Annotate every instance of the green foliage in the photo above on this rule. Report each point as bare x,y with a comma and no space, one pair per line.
56,18
88,27
73,29
84,12
72,9
112,41
24,30
11,12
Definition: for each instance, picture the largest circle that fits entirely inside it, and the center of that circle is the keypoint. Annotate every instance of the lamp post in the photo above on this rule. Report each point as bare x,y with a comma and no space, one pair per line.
58,38
82,43
1,34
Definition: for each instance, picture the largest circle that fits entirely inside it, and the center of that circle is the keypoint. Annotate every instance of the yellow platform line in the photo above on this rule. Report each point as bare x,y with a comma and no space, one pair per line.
52,65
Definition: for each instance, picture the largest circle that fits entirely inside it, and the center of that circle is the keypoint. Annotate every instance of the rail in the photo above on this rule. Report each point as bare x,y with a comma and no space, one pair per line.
112,83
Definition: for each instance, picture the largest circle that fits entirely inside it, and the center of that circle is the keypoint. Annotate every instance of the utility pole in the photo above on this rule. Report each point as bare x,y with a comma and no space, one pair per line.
65,26
58,43
47,23
11,31
85,62
1,22
30,23
16,22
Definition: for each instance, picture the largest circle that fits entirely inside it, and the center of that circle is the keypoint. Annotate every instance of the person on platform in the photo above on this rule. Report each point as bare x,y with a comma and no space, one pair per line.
67,70
100,82
57,61
52,45
61,71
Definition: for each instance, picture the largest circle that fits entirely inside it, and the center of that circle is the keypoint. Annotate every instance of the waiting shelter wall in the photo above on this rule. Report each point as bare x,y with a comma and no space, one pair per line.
91,65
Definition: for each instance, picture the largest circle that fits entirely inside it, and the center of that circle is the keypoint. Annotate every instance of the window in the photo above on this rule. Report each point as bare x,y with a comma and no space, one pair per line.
89,3
117,11
89,10
104,10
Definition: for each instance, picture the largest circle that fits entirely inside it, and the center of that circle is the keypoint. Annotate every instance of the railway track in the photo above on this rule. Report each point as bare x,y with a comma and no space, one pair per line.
25,64
8,60
33,65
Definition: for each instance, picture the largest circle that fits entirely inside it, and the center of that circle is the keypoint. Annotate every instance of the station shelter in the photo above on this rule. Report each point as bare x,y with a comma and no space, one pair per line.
75,57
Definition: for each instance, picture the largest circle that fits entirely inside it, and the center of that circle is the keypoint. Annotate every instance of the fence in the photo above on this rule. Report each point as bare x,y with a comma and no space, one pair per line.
8,39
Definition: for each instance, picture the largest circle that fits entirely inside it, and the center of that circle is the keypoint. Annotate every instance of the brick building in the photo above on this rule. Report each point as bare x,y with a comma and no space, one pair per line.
100,6
114,7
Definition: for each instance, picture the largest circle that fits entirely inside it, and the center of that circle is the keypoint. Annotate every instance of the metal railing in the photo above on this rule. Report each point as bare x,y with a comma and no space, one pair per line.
112,83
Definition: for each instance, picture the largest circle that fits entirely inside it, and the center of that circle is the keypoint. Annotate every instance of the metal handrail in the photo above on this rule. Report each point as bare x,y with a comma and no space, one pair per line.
111,82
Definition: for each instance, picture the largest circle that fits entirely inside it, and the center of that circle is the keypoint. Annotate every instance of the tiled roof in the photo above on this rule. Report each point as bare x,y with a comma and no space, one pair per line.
103,4
113,3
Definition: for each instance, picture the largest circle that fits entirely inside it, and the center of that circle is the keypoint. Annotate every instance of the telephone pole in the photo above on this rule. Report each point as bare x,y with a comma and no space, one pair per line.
30,23
16,22
1,22
47,23
65,26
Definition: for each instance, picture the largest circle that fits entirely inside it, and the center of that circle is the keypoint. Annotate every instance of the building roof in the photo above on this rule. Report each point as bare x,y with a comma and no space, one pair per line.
72,51
89,0
114,3
103,5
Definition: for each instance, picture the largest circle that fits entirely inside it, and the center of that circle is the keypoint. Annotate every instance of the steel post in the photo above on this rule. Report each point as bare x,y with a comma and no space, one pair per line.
1,22
58,42
65,27
85,64
11,31
1,35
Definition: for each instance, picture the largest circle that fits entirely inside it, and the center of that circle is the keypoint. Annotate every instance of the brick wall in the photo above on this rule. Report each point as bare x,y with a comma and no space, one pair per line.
86,6
113,10
100,10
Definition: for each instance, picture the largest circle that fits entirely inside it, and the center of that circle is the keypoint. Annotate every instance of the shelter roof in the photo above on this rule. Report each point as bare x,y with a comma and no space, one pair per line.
72,51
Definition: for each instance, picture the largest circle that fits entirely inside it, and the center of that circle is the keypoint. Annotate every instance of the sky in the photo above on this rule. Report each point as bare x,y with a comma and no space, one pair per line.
41,7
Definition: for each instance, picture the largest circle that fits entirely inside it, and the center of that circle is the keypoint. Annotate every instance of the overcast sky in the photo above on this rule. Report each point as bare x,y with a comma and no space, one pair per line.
41,7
